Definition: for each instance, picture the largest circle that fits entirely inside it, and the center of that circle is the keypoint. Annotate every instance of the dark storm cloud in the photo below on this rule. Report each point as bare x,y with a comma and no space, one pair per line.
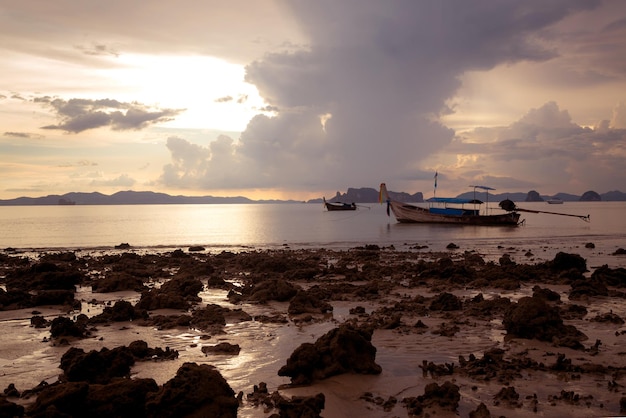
77,115
362,101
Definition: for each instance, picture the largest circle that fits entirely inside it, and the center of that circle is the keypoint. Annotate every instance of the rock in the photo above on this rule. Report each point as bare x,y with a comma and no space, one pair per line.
590,196
209,316
177,293
273,289
436,400
610,277
608,317
445,302
584,287
508,395
546,294
221,348
96,367
121,398
302,406
121,311
39,321
341,350
10,409
115,281
533,196
533,318
65,327
564,261
141,351
11,391
480,412
63,297
44,275
195,391
308,302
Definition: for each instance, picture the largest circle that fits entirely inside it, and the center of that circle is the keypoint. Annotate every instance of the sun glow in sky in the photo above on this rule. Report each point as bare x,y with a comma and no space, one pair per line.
297,100
212,91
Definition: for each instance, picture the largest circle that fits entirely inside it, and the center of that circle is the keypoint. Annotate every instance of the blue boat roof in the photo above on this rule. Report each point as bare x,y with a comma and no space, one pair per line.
453,200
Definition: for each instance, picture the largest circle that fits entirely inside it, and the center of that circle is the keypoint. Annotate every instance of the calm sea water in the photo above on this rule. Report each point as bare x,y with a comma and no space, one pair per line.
241,226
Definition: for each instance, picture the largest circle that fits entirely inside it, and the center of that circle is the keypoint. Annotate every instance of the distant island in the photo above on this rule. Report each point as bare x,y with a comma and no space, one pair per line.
356,195
368,195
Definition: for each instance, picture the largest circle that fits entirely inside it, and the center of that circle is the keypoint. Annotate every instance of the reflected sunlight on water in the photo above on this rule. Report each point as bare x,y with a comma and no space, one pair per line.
244,227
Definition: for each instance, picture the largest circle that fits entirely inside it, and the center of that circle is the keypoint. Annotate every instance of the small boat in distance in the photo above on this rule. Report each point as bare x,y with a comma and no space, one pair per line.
332,206
447,210
555,201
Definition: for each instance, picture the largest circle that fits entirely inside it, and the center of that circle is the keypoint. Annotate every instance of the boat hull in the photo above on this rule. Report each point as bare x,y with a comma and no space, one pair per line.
339,206
406,213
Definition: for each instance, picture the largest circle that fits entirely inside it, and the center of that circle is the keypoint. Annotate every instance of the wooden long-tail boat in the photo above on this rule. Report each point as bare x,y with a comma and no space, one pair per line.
447,210
331,206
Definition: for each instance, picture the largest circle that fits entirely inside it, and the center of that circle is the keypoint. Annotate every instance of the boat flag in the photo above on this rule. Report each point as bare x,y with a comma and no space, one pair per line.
435,189
383,195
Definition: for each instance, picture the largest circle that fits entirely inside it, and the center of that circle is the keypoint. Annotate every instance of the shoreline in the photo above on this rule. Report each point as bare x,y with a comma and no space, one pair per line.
372,279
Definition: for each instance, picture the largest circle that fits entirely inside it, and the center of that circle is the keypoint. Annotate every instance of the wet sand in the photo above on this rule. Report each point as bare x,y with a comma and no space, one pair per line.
387,290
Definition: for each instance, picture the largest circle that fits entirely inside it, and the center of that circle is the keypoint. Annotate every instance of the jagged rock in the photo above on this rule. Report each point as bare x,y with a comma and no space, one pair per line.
302,406
308,302
65,327
195,391
116,281
221,348
445,302
121,311
96,367
341,350
442,399
481,411
10,409
274,289
532,317
610,277
121,398
565,261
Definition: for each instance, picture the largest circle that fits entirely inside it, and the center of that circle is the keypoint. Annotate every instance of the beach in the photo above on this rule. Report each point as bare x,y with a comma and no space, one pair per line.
377,331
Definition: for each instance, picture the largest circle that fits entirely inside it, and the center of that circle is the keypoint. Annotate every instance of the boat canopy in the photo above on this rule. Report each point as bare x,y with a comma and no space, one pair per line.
482,187
454,200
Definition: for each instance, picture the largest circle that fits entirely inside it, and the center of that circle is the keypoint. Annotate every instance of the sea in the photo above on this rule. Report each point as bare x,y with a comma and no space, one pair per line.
243,227
35,230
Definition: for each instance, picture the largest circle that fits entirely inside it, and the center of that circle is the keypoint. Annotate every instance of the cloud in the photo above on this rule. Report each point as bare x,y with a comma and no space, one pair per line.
123,180
77,115
22,135
80,163
618,120
98,50
237,30
543,149
362,101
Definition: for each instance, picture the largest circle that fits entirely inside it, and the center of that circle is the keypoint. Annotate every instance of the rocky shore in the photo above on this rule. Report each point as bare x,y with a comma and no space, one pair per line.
305,333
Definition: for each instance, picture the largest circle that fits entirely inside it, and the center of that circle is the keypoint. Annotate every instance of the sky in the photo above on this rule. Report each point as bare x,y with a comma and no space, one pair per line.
298,99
